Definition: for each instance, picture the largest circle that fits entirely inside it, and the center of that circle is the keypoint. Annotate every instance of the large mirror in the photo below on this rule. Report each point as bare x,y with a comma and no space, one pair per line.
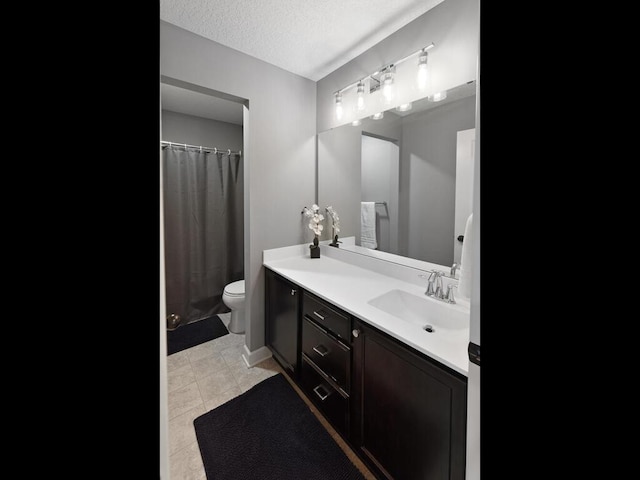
402,184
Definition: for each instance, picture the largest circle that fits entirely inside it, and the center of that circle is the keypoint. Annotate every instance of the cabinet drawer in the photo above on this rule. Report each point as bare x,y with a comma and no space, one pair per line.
329,401
333,358
327,316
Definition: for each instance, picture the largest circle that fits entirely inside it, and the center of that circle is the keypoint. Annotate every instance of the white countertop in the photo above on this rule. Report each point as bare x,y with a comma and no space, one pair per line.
350,287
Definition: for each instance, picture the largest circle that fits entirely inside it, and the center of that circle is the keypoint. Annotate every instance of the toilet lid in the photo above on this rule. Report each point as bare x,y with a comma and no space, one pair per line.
235,288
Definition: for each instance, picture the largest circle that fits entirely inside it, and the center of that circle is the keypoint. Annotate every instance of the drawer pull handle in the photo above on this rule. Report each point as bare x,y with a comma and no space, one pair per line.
322,353
356,333
318,315
293,291
322,397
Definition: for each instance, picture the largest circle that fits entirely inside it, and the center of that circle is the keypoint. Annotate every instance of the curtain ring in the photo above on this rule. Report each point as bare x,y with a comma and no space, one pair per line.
229,152
215,150
200,148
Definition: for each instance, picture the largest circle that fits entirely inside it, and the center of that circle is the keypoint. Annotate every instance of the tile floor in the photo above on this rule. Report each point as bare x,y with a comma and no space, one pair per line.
206,376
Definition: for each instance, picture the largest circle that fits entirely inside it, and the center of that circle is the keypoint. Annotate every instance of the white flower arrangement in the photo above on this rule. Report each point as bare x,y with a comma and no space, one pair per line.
316,218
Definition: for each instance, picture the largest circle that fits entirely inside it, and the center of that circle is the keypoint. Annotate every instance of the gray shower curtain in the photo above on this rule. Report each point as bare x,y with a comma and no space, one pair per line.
203,225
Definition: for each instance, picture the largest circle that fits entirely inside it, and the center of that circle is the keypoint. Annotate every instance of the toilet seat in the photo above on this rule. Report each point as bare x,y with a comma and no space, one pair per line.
235,289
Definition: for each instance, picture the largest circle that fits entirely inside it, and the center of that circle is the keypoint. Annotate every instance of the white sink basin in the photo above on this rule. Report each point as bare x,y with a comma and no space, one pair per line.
422,311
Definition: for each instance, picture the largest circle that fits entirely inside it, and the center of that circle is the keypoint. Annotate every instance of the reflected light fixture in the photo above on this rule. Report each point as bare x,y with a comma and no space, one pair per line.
339,106
436,97
404,107
360,95
378,116
356,123
422,69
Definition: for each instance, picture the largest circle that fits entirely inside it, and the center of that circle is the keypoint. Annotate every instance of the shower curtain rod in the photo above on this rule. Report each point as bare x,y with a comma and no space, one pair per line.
199,147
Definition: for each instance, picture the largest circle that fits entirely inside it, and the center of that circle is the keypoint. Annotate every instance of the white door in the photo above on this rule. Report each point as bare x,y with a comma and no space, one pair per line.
465,148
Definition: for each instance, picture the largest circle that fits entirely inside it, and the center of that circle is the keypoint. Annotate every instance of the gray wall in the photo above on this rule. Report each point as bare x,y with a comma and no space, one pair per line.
428,180
178,127
279,147
453,26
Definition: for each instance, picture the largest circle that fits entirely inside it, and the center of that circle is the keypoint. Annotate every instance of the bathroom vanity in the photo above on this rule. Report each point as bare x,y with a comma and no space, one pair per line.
394,391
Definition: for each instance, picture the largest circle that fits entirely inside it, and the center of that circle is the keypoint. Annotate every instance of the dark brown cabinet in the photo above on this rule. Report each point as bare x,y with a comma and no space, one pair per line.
408,413
282,324
403,413
325,347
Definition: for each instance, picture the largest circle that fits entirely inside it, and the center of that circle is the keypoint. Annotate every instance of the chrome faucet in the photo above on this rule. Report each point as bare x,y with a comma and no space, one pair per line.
450,298
434,285
439,290
430,291
436,290
454,267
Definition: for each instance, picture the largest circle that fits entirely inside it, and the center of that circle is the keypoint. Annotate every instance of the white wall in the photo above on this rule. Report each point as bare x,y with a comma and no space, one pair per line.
279,147
164,381
474,386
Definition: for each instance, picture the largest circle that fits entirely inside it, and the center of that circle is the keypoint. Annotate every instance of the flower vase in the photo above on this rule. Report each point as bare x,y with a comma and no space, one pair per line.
335,238
315,248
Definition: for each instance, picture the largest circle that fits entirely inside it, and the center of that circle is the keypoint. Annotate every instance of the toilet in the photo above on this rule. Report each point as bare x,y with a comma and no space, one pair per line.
233,298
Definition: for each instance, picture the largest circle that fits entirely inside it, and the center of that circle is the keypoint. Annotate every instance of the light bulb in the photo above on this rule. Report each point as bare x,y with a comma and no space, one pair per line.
387,87
423,73
339,110
404,107
356,123
378,116
360,102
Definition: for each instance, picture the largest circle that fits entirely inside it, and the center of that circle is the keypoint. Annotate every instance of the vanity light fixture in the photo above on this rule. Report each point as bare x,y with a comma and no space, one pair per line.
356,123
387,84
438,96
339,106
378,116
360,95
404,107
422,69
382,79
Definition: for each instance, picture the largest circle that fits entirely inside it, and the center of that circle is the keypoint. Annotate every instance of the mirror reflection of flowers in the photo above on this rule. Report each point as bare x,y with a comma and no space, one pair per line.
335,219
316,218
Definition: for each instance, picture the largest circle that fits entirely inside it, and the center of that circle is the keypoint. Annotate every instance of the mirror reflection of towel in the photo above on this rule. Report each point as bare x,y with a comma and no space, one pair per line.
368,225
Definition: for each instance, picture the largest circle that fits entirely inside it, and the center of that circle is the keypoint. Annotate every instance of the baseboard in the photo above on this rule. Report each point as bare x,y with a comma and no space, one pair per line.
255,357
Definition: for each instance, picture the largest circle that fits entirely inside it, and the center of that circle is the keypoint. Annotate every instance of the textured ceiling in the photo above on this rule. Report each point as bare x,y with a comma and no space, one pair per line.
311,38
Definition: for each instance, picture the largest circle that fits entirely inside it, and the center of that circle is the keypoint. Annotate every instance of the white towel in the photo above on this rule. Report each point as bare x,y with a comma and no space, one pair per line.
466,260
368,225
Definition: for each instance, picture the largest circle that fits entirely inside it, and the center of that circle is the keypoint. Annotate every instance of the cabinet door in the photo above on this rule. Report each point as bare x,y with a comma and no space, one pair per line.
282,320
408,414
